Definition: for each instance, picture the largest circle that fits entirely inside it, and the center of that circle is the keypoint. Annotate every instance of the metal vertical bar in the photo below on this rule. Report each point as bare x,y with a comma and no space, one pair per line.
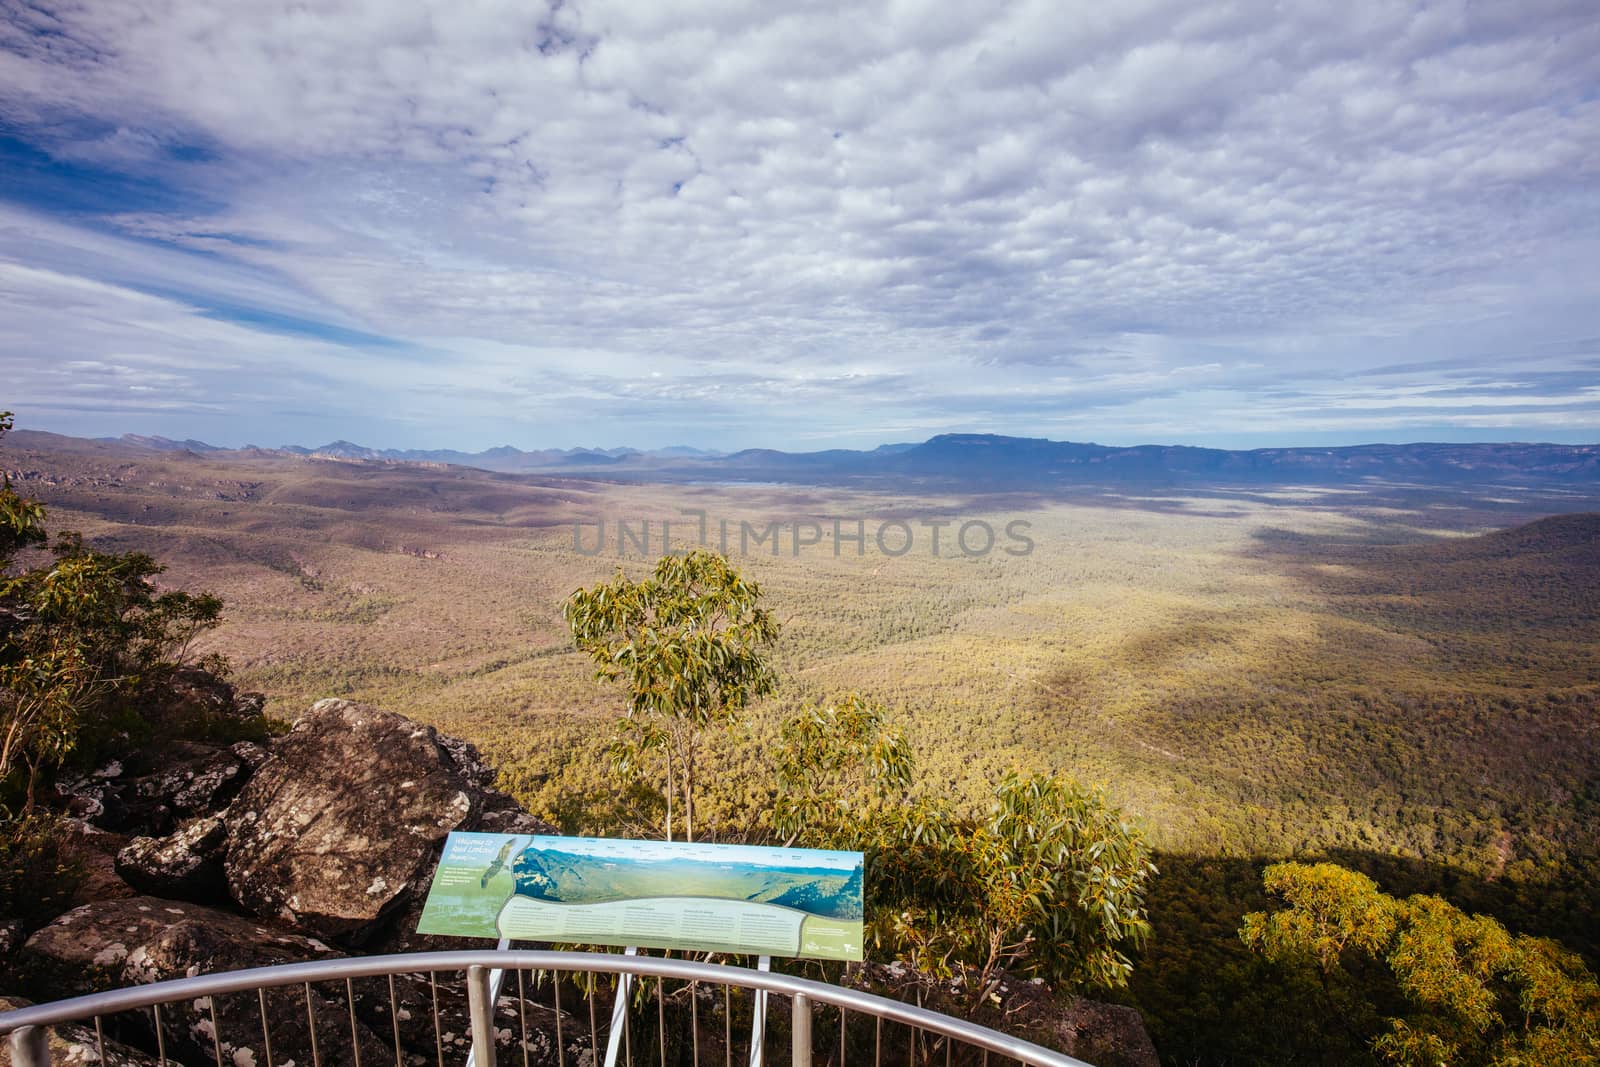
594,1033
661,1019
100,1033
727,1016
496,976
311,1024
800,1030
561,1042
480,1005
216,1031
842,1035
394,1024
619,1016
30,1046
694,1021
877,1045
355,1035
438,1036
266,1034
522,1017
161,1039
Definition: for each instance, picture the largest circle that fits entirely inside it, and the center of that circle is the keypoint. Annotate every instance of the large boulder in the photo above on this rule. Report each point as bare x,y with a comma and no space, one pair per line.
147,939
112,943
1109,1035
343,825
185,866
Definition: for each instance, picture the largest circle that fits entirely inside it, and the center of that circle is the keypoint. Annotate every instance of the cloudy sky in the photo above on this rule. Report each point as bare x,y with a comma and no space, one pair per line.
649,222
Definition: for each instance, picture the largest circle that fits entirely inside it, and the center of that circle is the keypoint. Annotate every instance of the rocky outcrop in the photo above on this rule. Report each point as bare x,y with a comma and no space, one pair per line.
185,866
1107,1035
75,1044
146,939
193,700
91,856
343,825
150,939
335,828
147,793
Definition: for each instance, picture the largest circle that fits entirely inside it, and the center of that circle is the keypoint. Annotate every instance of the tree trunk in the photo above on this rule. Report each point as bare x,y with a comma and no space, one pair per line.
672,785
688,787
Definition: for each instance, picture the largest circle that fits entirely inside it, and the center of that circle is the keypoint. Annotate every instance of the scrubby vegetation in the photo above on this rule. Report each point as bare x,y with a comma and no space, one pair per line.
88,648
86,643
1257,675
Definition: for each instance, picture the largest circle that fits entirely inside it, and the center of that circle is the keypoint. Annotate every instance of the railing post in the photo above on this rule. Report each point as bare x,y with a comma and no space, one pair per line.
480,1005
30,1046
801,1029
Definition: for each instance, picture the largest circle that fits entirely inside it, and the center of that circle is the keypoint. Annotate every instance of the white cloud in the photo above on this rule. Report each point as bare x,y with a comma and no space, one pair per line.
973,208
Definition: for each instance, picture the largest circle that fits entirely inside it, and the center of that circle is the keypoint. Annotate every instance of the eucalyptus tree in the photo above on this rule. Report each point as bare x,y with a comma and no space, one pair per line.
839,765
1471,991
689,646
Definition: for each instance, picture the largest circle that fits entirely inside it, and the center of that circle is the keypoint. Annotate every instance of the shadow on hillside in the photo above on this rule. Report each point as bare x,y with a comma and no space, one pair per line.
1393,512
1527,585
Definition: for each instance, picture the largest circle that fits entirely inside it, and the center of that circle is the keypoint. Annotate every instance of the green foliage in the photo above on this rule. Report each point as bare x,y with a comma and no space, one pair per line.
84,640
1050,883
1329,910
838,765
689,645
1469,992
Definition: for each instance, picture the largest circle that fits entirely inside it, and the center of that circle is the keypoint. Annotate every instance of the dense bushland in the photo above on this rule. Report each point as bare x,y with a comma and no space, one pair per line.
1255,675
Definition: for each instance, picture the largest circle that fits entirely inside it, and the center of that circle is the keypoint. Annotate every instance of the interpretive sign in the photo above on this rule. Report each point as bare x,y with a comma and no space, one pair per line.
653,894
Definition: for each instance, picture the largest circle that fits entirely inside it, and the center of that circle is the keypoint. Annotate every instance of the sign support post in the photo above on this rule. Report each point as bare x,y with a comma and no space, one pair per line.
758,1025
496,976
619,1011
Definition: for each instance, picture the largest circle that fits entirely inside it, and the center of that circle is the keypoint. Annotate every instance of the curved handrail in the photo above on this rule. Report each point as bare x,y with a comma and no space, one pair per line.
144,996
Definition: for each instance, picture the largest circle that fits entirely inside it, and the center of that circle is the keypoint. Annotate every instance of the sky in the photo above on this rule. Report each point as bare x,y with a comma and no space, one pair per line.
550,223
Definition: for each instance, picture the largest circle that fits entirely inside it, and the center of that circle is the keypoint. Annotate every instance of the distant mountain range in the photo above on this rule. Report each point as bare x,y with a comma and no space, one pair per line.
973,461
503,458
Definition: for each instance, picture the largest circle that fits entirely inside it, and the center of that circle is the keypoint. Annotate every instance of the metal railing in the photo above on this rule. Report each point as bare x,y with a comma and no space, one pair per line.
289,998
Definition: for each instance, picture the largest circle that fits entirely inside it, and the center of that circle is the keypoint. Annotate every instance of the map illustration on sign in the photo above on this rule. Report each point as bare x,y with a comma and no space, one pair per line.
653,894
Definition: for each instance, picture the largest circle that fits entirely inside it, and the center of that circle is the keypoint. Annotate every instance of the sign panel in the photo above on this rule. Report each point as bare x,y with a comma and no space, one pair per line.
653,894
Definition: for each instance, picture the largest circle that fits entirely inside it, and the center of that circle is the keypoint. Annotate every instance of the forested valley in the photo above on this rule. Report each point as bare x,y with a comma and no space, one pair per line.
1404,683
